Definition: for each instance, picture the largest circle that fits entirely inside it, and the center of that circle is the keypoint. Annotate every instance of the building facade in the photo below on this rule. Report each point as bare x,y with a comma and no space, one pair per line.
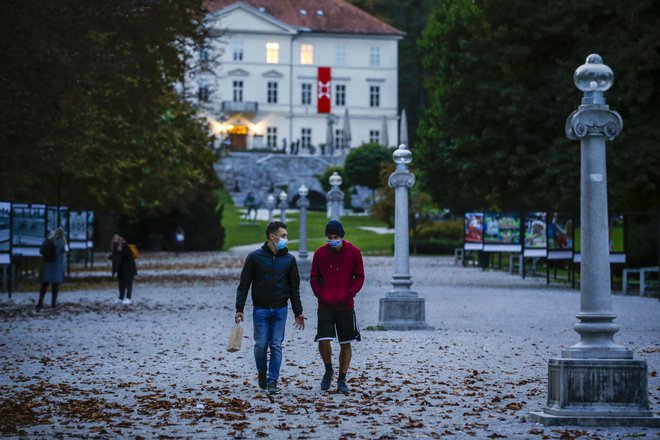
305,76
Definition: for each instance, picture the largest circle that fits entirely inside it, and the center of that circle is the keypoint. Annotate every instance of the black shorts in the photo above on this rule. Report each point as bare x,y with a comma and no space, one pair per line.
337,324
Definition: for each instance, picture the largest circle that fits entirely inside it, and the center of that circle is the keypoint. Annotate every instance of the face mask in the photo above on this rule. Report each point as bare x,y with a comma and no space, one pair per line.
334,243
281,244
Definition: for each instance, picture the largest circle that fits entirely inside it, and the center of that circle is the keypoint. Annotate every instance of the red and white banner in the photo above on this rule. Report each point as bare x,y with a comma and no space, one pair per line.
324,90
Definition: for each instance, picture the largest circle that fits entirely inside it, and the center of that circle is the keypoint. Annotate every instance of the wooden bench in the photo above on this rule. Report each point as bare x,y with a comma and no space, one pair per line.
643,273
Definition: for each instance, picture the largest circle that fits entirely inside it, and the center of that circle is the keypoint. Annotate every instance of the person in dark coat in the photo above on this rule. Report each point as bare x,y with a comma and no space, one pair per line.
52,271
123,264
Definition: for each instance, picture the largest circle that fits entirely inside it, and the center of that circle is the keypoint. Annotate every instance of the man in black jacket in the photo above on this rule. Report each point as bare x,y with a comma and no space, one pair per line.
273,274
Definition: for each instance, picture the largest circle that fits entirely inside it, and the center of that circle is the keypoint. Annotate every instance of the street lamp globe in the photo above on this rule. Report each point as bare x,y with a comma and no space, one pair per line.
283,196
335,179
593,75
303,191
402,155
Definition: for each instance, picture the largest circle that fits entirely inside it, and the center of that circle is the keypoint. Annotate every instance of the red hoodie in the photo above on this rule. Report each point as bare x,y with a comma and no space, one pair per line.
337,276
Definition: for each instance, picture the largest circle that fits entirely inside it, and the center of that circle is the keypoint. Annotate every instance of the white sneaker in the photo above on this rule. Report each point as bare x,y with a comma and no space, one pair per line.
117,301
127,301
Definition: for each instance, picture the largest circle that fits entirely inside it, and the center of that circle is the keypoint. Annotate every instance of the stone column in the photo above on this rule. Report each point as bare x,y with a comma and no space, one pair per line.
270,205
402,309
283,206
304,264
596,382
335,196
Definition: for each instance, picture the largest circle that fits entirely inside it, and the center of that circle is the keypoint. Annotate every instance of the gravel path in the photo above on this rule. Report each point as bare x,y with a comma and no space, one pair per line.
158,368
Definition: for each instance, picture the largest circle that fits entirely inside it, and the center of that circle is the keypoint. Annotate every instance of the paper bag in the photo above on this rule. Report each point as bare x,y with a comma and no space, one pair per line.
235,339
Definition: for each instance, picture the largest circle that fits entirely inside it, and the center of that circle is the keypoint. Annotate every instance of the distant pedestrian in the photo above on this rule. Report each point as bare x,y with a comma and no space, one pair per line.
337,276
53,251
179,240
273,274
123,264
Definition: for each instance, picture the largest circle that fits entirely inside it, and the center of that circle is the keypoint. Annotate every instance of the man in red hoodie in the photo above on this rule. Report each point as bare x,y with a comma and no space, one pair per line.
337,276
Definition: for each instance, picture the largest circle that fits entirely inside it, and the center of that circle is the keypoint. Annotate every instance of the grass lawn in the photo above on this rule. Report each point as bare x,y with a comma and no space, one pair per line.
369,242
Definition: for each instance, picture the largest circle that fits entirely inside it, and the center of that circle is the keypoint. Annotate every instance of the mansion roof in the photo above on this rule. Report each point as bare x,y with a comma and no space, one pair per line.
331,16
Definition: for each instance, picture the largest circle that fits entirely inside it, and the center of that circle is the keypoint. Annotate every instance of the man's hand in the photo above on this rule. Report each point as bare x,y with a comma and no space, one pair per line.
238,318
300,322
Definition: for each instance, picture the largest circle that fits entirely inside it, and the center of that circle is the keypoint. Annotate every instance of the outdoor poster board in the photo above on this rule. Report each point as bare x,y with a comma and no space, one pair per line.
536,238
474,231
52,220
617,235
560,229
28,228
502,232
5,232
78,229
90,229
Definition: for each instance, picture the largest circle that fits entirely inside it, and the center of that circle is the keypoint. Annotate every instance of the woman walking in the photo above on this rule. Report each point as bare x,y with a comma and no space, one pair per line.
52,271
123,263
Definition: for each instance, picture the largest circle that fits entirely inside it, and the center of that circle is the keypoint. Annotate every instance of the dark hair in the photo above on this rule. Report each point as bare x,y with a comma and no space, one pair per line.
273,227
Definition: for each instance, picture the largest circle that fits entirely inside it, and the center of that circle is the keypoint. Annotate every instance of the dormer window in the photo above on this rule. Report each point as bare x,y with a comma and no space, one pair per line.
262,9
319,13
303,12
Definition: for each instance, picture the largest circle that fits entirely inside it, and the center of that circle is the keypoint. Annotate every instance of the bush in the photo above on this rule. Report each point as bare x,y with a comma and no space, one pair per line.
449,230
435,246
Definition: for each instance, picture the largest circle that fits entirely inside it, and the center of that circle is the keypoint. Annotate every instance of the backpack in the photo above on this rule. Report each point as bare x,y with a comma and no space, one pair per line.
48,251
134,250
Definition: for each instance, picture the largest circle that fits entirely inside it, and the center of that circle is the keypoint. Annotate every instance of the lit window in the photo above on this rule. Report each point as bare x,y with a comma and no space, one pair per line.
374,96
306,54
272,53
306,94
340,55
306,137
238,91
374,56
237,50
374,136
271,137
340,95
272,92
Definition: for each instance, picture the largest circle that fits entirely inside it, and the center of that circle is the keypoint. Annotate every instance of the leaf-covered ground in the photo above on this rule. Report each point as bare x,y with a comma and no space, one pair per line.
158,368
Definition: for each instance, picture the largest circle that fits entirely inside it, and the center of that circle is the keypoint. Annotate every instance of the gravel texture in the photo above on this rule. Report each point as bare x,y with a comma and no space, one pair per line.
158,367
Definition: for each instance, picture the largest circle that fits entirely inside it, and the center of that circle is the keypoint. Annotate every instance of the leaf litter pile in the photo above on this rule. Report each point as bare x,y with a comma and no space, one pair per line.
158,369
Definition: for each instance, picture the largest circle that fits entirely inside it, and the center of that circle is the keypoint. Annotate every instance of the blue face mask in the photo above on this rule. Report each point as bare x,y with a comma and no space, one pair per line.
281,244
334,243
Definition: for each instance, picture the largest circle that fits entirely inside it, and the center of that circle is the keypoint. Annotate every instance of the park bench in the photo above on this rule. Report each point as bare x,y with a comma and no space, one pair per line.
643,273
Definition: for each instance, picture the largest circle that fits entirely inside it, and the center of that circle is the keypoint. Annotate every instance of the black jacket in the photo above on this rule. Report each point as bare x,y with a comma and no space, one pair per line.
274,279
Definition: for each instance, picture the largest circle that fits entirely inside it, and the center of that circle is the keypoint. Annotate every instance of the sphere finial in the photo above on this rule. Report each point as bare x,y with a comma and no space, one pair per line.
402,155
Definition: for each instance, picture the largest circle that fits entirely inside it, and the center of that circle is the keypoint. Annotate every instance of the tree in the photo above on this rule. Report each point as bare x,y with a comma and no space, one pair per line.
89,100
499,73
362,165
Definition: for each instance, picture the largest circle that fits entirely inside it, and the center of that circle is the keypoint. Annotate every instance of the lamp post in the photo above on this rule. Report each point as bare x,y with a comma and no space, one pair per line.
335,196
596,382
283,205
270,205
402,309
304,265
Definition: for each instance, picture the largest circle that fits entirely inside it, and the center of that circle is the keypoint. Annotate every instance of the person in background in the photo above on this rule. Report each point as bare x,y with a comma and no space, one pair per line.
179,240
123,264
52,271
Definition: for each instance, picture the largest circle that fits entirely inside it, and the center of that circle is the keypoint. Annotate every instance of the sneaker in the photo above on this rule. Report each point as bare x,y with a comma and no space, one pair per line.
272,388
117,301
263,381
342,387
127,301
325,382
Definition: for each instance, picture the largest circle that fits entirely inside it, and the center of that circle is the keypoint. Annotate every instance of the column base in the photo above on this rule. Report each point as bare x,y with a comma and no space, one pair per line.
403,312
597,392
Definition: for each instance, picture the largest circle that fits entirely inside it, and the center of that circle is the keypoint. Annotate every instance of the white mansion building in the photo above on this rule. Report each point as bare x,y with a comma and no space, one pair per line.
307,72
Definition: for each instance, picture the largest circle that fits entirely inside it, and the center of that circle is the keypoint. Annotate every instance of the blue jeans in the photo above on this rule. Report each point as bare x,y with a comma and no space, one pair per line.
269,325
